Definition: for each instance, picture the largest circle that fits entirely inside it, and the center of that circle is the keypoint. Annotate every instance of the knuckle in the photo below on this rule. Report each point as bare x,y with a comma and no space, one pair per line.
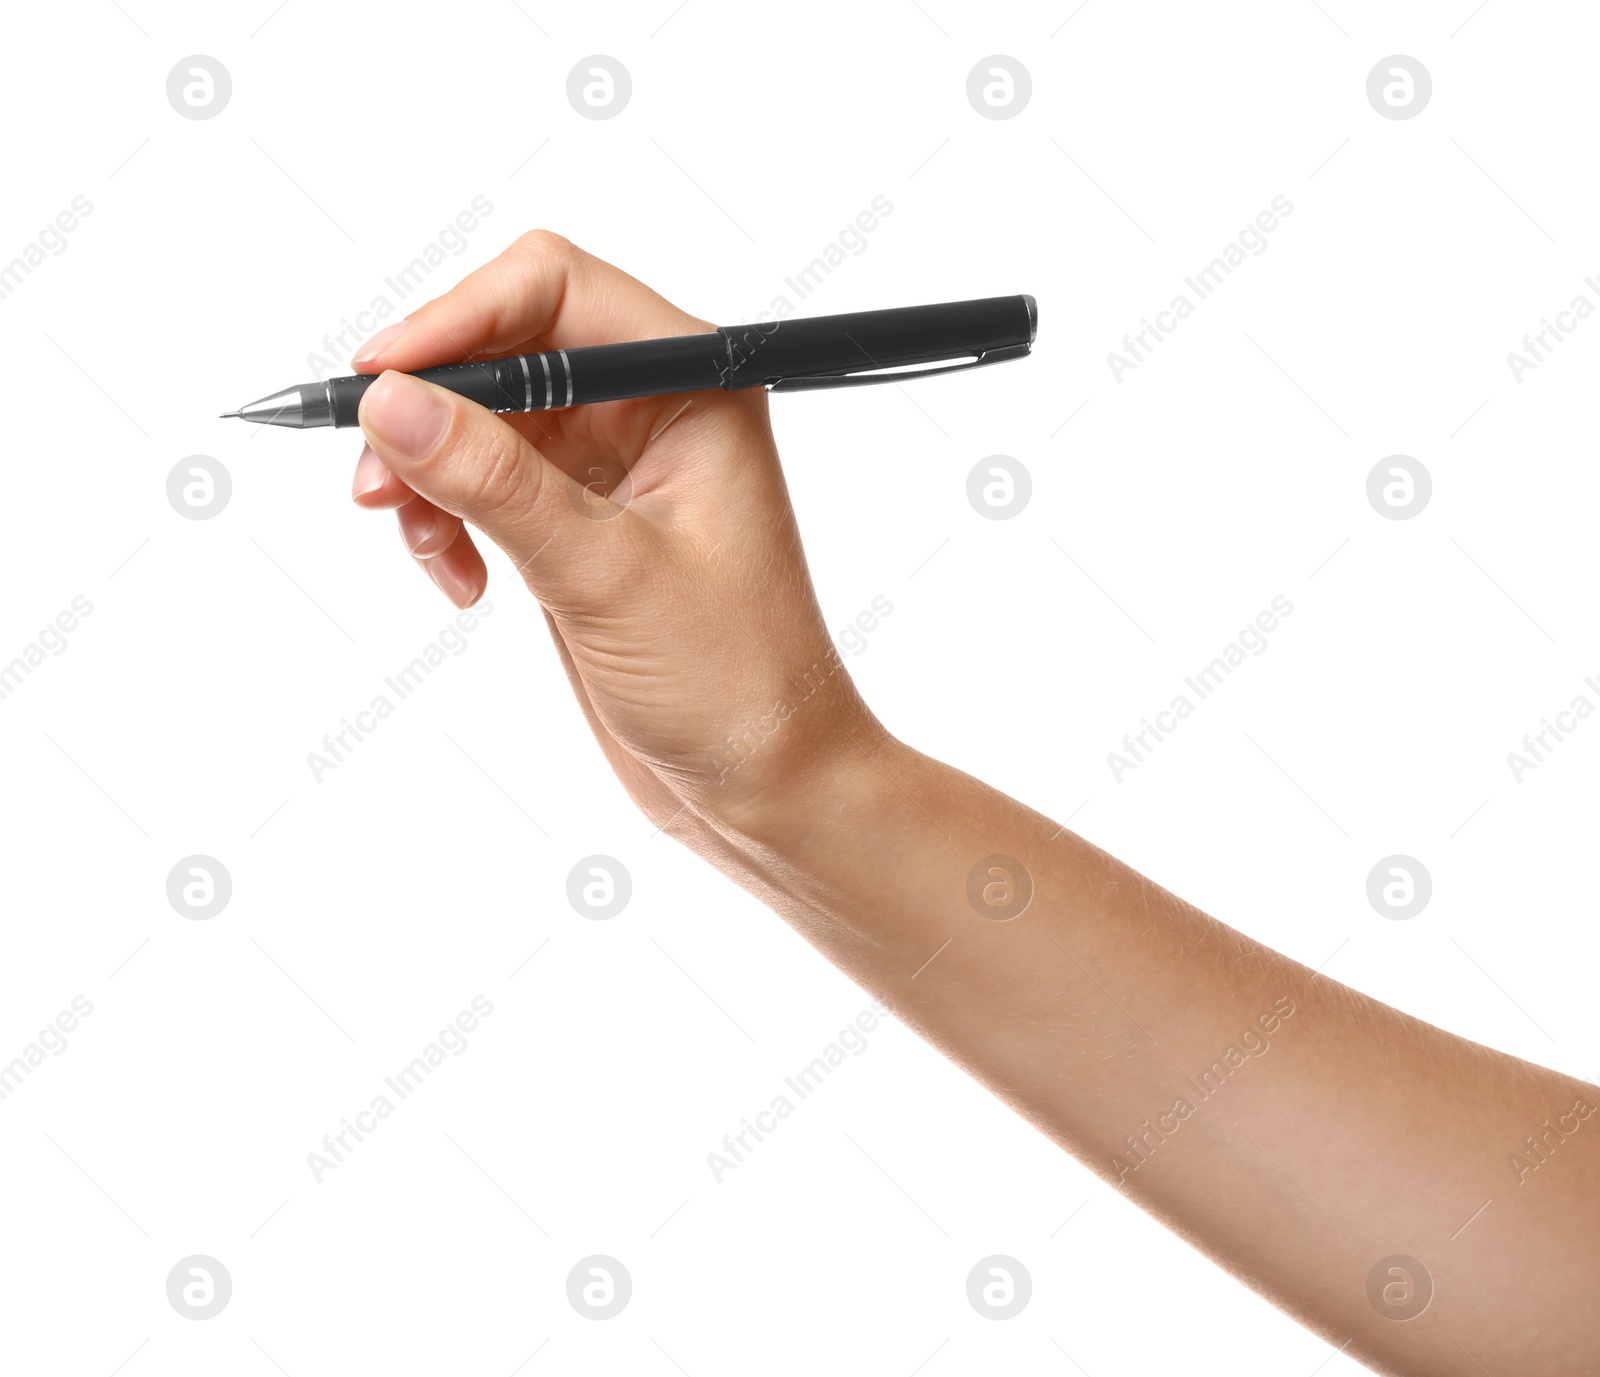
548,244
498,481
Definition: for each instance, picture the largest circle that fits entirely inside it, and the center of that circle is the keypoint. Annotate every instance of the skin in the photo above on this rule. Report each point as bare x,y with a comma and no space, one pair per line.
1336,1134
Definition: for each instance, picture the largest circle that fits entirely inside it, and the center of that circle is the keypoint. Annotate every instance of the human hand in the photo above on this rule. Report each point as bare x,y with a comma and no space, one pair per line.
656,533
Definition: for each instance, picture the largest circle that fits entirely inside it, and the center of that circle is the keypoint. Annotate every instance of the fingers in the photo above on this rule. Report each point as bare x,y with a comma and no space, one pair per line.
426,530
436,539
374,487
439,459
458,571
468,463
542,291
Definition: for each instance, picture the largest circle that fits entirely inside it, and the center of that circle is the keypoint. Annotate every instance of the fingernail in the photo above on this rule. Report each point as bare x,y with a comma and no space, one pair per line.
425,534
462,591
370,474
379,342
407,415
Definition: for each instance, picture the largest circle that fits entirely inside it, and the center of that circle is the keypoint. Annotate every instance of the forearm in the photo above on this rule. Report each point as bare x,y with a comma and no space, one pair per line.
1296,1130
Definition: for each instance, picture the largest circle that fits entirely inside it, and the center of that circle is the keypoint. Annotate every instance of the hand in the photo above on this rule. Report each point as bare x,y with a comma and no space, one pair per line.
657,534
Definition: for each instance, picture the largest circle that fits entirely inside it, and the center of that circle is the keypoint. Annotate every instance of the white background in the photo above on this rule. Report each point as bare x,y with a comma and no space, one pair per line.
1174,504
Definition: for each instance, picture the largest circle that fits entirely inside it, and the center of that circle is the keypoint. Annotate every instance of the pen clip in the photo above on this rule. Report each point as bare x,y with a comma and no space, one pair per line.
815,382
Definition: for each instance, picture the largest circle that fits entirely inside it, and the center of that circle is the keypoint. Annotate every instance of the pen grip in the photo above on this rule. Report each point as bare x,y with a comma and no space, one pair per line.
566,377
498,384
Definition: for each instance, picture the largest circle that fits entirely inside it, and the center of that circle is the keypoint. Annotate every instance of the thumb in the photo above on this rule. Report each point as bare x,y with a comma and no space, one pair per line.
466,460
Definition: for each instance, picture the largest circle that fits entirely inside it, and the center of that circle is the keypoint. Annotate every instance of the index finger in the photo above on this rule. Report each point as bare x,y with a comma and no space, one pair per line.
541,293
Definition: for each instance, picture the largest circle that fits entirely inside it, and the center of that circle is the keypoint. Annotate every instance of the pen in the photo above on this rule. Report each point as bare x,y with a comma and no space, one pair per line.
787,355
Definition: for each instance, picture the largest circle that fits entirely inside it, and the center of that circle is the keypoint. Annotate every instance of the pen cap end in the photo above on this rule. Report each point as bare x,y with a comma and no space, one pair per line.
1033,316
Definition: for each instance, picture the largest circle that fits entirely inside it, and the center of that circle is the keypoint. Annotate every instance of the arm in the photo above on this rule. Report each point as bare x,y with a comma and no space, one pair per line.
1296,1131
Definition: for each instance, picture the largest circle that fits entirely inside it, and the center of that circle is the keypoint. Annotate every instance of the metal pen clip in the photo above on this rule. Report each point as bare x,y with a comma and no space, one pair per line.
814,382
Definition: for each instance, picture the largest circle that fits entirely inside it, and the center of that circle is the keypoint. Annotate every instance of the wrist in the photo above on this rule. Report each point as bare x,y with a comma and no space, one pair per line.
776,793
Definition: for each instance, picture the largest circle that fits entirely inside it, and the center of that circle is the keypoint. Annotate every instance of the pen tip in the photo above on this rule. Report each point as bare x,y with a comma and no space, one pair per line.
225,415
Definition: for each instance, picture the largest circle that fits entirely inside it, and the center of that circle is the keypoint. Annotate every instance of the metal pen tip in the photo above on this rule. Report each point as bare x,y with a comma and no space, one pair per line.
299,407
225,415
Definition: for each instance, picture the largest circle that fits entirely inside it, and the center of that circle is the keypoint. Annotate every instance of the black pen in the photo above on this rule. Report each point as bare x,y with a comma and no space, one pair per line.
787,355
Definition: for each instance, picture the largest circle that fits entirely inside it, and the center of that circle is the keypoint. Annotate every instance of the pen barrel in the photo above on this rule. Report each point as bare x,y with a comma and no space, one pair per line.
829,346
644,368
735,356
565,377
